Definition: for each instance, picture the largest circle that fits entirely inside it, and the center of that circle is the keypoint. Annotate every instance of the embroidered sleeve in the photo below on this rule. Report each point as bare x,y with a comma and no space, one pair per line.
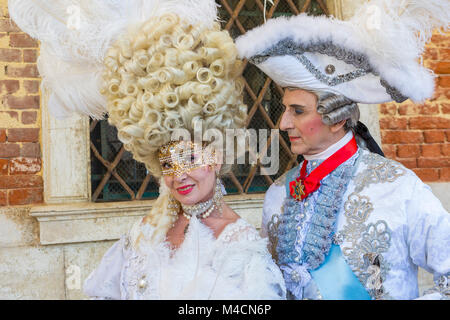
428,234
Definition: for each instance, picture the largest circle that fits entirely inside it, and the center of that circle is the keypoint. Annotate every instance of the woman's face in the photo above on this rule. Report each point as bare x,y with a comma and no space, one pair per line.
307,133
189,171
193,187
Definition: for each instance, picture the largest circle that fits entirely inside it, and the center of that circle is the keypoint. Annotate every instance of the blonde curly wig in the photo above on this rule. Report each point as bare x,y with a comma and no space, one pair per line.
166,75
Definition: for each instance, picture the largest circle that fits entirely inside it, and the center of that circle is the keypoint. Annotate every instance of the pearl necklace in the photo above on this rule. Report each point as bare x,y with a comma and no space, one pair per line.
204,209
203,215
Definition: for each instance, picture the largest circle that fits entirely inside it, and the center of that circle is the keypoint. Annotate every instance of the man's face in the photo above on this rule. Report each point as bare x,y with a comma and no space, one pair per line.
307,133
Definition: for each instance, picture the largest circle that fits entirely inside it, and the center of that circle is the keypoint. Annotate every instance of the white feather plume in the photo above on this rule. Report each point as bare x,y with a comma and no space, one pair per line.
399,29
76,34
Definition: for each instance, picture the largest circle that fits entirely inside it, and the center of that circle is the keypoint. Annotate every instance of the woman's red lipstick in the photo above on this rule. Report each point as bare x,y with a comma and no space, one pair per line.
184,190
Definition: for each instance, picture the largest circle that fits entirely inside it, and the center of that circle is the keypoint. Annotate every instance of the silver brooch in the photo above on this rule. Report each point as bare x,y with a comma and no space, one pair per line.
330,69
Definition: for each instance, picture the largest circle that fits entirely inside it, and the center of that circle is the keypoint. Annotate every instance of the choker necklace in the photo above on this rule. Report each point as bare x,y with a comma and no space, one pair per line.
204,209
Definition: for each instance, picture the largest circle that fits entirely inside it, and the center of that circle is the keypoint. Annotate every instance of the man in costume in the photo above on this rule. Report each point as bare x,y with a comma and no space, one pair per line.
161,69
348,223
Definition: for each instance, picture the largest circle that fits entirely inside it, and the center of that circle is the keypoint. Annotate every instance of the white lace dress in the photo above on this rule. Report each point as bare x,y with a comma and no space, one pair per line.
236,265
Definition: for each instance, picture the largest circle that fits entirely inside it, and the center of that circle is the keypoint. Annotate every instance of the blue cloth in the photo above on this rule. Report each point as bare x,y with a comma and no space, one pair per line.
336,280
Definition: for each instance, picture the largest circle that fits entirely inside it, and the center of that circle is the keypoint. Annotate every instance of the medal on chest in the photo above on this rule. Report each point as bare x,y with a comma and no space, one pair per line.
297,189
304,185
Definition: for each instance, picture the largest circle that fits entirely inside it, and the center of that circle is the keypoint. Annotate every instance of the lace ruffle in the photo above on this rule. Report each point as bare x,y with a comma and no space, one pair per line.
310,253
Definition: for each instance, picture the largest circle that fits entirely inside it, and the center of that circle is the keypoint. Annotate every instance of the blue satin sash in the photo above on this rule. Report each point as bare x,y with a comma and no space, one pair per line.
334,278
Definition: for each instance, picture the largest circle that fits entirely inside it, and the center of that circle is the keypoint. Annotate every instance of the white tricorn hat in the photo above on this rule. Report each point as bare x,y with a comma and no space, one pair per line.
372,58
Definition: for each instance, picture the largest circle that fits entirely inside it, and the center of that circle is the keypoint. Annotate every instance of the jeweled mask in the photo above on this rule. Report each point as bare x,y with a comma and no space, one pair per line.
180,157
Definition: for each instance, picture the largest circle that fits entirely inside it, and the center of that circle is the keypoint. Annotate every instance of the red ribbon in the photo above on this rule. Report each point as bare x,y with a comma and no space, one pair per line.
301,187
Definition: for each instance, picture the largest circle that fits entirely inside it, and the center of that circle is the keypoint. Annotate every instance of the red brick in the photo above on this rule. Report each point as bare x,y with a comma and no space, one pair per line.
2,136
427,175
23,135
442,67
433,162
9,150
3,198
25,196
31,86
11,86
434,136
444,54
429,123
408,109
444,174
409,163
446,149
445,107
431,150
428,109
10,55
30,150
29,71
7,25
430,54
26,102
408,151
11,114
431,64
21,181
444,81
441,92
447,133
30,55
440,40
399,137
24,166
4,167
29,117
393,123
389,109
22,40
390,151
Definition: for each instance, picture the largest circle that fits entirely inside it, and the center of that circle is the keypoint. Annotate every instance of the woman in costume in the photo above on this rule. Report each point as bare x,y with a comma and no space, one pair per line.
348,223
168,71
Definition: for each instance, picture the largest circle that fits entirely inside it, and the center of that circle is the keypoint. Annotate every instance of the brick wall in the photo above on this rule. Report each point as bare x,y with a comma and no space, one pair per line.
419,135
20,154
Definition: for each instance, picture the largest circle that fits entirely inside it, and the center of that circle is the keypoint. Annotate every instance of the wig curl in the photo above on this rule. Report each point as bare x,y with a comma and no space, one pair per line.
163,75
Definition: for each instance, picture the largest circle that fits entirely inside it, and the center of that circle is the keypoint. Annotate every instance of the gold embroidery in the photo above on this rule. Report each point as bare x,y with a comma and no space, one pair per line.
378,170
366,243
272,230
357,207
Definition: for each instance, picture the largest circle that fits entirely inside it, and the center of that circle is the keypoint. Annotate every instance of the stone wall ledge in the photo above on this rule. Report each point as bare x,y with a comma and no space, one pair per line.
89,222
